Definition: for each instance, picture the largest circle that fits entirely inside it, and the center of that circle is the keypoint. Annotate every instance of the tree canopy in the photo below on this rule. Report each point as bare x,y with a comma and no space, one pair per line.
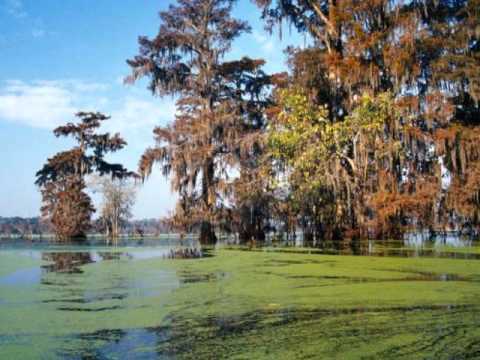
62,179
219,109
370,134
408,171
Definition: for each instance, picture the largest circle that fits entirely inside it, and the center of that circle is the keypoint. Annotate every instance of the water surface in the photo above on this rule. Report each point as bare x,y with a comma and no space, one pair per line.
162,299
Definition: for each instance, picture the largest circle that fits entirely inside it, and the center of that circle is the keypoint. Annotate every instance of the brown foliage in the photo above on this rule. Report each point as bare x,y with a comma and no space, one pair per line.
219,110
62,179
67,207
422,173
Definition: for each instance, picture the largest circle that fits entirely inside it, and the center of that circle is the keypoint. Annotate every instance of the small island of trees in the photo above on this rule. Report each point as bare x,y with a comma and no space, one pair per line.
372,133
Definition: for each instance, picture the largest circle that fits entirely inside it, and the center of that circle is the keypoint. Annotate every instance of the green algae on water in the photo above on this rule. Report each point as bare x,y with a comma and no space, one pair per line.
242,304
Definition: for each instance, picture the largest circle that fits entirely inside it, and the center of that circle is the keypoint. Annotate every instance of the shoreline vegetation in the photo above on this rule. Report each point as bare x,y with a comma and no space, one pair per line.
371,133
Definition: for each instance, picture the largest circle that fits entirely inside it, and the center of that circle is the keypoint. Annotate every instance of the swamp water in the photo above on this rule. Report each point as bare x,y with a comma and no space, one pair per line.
371,300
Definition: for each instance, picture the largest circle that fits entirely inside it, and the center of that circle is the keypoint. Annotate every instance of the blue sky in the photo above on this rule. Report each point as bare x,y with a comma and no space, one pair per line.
59,56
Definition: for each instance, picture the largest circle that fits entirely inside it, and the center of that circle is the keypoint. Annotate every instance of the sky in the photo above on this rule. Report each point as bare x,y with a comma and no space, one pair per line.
58,57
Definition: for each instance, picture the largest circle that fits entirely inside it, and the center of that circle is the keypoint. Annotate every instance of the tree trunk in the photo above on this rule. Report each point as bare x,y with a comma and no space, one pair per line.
207,234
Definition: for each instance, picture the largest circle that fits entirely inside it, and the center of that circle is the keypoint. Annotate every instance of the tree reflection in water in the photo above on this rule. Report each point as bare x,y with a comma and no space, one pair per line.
185,253
66,262
71,262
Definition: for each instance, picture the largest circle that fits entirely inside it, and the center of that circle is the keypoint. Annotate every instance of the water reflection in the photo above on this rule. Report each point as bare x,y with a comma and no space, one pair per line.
66,262
71,262
414,246
117,343
418,244
186,253
22,277
451,239
213,318
106,289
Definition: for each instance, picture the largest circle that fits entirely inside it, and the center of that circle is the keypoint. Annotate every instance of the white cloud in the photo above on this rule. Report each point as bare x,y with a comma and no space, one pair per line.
135,118
47,104
36,105
140,113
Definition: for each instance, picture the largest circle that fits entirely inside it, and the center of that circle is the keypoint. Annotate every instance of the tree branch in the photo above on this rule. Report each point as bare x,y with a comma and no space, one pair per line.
322,16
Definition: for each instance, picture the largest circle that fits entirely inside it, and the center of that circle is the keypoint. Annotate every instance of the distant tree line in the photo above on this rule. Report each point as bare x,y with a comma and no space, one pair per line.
370,134
23,227
37,227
